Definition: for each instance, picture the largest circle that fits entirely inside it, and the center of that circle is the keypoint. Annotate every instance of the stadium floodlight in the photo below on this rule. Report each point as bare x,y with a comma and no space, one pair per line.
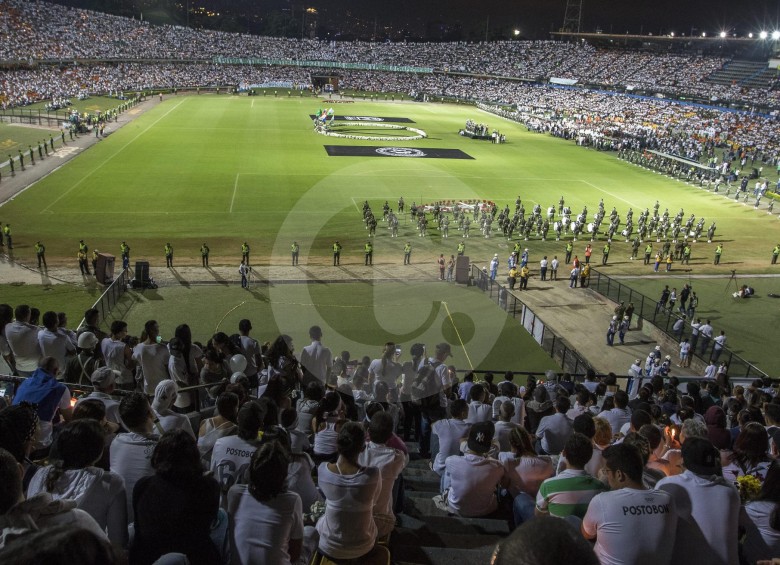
776,35
517,32
763,35
750,35
704,34
672,34
722,34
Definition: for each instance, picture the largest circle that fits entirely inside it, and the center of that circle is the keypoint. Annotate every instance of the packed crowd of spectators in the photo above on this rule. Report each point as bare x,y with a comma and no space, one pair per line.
33,31
293,454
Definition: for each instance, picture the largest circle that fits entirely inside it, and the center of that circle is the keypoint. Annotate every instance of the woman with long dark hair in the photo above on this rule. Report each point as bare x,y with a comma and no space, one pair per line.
184,367
283,365
750,454
174,508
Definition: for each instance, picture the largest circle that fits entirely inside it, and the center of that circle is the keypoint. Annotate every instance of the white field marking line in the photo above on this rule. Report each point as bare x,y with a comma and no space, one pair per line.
607,192
93,171
235,188
253,103
460,339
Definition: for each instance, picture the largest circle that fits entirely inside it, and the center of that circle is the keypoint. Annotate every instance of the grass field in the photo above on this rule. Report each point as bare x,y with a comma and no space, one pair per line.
357,317
230,169
15,138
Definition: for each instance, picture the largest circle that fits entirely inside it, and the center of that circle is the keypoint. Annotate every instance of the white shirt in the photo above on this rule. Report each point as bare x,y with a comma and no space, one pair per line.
553,431
299,479
390,463
503,429
230,460
479,412
527,473
708,515
260,532
761,541
114,354
347,529
317,359
153,359
251,350
23,341
170,420
554,264
632,527
519,415
473,481
705,330
709,371
720,341
616,417
112,405
55,344
450,433
390,373
131,459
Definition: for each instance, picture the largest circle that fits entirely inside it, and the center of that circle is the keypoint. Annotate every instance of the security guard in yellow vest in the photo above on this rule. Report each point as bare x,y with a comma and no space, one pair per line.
369,253
168,250
204,254
245,252
336,253
40,252
295,249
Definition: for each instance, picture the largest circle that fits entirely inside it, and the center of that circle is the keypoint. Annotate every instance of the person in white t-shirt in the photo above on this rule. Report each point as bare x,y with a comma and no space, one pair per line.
620,414
153,357
385,369
707,507
22,337
131,452
760,520
631,524
251,351
390,463
507,392
479,411
118,354
525,472
347,529
474,476
165,394
266,521
554,430
316,358
450,432
53,342
104,381
231,455
505,425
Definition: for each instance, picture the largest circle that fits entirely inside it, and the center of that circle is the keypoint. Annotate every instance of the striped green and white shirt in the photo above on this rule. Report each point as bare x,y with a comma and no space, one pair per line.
568,493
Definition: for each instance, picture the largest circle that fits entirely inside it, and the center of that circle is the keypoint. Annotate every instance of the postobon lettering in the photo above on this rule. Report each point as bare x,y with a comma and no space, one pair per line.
238,452
646,509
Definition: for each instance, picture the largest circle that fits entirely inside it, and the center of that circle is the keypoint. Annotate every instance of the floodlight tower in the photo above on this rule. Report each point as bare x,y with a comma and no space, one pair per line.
572,19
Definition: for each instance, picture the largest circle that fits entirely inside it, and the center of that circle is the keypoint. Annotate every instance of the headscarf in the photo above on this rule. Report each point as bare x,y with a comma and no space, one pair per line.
715,418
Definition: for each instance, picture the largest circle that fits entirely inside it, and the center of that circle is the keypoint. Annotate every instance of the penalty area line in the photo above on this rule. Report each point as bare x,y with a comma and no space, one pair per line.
457,333
235,188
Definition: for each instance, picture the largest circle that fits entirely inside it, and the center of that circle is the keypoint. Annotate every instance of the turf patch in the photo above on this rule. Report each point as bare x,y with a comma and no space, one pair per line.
382,151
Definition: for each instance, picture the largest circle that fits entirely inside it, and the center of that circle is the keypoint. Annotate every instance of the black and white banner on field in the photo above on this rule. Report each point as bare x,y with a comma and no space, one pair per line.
381,151
369,119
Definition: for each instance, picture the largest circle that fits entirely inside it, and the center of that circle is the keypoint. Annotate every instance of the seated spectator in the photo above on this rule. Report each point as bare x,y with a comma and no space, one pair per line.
554,430
347,529
525,471
73,476
40,511
464,389
544,541
450,432
18,425
165,394
508,392
707,507
620,414
473,475
221,425
299,441
50,397
390,462
93,409
538,408
68,542
104,382
176,507
649,476
231,455
759,519
569,492
654,436
479,411
327,423
504,426
750,454
625,532
131,452
581,406
266,521
715,418
307,407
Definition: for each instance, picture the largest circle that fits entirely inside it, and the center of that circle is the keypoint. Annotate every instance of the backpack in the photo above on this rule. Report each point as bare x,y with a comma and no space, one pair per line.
425,388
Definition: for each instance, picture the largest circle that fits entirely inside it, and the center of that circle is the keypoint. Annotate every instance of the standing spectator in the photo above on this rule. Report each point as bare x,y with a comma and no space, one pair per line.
53,342
176,508
119,355
317,359
450,432
80,367
624,530
22,337
479,411
152,356
707,507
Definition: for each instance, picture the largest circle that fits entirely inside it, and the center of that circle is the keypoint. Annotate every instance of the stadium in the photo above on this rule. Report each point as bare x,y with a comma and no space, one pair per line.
433,217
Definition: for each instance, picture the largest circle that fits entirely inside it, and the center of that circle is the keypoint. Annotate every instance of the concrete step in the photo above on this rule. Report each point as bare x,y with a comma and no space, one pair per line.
442,556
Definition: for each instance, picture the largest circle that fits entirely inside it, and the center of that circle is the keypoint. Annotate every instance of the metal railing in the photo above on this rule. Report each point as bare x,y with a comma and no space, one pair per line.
105,304
663,318
570,360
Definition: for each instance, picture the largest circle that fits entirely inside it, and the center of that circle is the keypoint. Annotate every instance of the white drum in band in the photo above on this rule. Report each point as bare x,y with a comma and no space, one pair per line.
557,226
573,226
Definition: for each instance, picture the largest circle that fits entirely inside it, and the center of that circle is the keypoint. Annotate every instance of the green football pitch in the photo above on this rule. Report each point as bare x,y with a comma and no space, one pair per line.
224,170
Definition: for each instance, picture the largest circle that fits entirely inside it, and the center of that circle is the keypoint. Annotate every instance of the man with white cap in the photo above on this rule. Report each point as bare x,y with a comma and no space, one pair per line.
80,367
104,381
167,420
